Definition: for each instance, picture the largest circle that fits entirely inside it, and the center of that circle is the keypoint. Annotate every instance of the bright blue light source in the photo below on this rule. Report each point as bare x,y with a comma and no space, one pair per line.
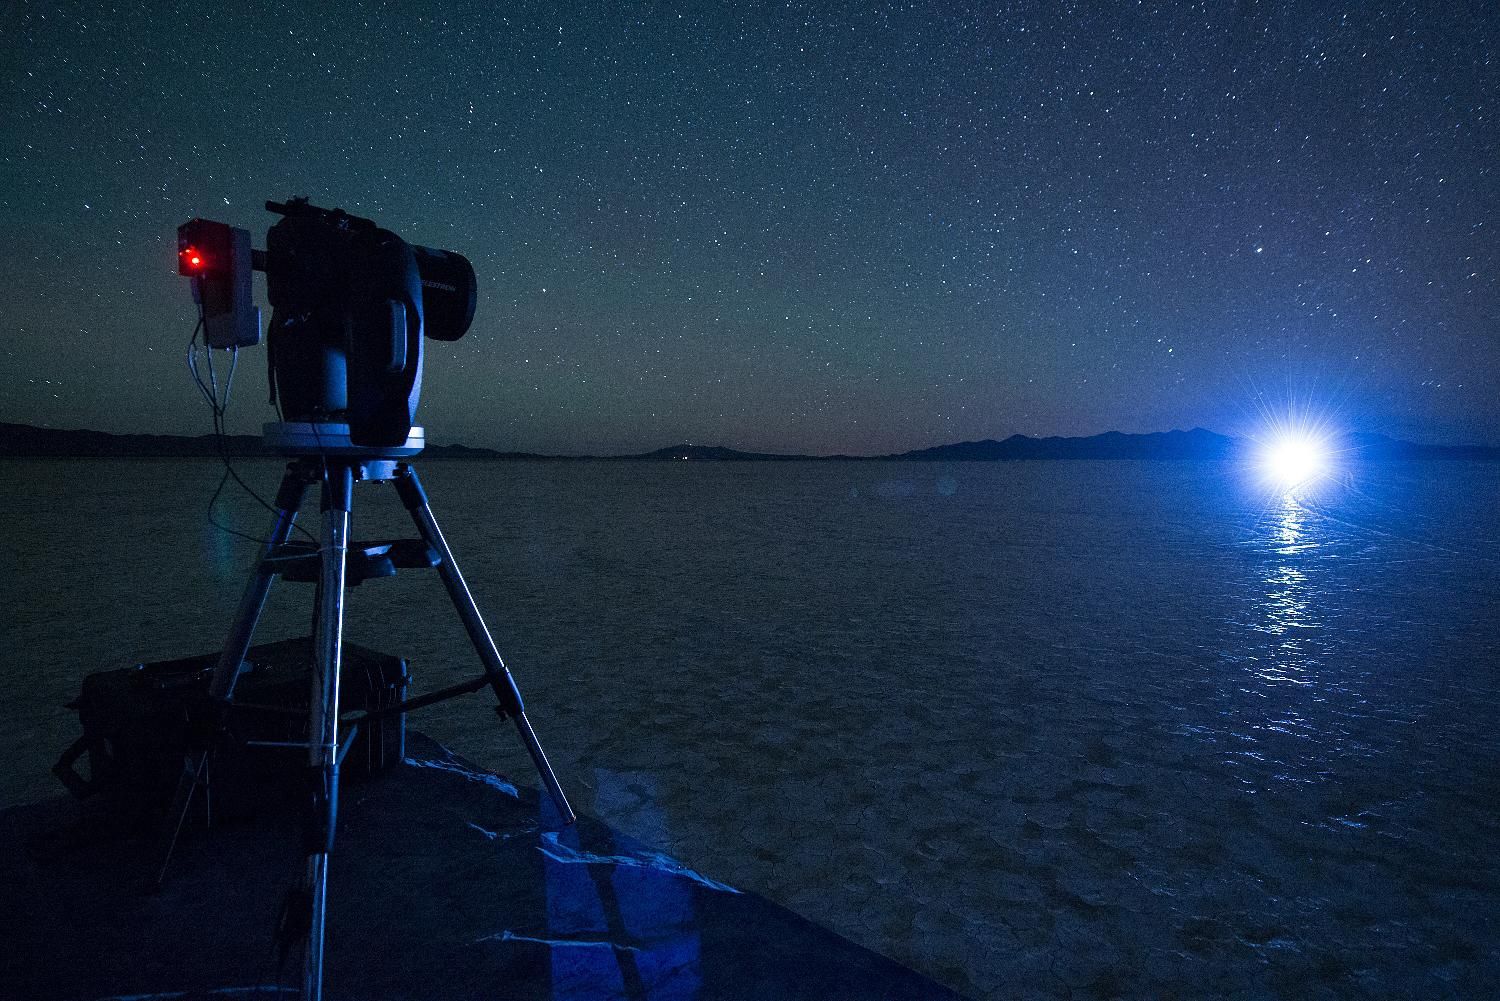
1294,458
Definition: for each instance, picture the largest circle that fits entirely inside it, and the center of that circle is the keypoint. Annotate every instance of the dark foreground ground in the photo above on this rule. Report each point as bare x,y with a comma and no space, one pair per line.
446,883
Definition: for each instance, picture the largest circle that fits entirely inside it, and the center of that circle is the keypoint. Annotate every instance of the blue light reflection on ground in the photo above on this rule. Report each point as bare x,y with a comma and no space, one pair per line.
1289,613
618,930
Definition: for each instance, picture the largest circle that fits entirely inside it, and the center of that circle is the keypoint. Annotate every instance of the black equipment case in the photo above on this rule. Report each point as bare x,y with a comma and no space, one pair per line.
140,722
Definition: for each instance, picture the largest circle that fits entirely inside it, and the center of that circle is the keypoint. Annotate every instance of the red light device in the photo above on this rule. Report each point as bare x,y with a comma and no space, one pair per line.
205,246
218,259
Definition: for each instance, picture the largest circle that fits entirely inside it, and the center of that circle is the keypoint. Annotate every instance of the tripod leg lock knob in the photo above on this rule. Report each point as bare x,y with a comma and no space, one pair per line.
410,488
322,808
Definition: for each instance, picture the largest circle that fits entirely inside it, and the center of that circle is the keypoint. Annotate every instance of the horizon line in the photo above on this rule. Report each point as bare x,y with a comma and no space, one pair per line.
753,453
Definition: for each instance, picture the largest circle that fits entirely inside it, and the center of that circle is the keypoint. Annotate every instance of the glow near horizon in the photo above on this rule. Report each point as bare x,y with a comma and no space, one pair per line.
1295,460
1295,457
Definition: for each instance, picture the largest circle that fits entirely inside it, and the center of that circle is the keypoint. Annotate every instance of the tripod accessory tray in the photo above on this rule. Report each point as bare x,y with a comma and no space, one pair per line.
300,561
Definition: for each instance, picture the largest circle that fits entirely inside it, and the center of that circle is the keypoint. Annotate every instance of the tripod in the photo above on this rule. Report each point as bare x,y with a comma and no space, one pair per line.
323,454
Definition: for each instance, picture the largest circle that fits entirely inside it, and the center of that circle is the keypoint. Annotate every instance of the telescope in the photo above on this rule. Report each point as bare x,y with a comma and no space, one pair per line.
351,303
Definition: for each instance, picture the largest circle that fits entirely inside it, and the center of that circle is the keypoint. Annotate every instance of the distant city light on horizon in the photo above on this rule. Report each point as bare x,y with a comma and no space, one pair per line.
1295,454
1298,439
1294,459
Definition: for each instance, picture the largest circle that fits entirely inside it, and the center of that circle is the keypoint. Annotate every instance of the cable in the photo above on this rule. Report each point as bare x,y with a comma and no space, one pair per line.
218,406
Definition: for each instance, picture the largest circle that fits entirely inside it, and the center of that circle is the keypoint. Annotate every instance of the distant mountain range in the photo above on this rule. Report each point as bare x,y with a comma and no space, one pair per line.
1195,444
25,440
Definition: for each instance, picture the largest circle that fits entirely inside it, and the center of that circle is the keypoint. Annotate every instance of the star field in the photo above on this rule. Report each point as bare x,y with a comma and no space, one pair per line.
792,227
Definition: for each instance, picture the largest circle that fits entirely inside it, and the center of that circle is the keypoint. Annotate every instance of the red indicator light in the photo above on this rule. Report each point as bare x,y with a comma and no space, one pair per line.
192,258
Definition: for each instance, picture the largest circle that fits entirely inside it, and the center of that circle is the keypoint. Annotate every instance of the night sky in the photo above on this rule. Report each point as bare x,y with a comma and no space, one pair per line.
818,228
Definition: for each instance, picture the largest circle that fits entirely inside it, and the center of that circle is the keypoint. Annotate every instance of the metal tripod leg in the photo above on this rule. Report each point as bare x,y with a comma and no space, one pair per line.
232,656
415,499
323,720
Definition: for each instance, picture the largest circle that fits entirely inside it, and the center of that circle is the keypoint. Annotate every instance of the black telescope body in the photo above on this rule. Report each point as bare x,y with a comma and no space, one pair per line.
351,303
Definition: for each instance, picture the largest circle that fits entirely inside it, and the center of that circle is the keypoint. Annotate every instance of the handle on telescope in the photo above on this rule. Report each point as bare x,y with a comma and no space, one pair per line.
395,317
302,207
